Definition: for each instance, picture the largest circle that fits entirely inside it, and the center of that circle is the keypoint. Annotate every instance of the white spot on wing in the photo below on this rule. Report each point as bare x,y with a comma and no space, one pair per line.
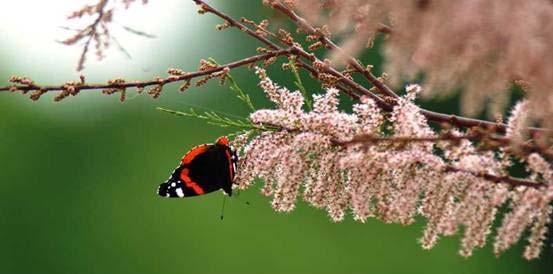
179,192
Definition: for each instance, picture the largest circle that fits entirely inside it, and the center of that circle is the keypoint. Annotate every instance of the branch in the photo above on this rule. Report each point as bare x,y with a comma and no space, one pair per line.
430,115
30,86
304,25
102,38
371,139
204,7
512,181
214,118
487,139
90,31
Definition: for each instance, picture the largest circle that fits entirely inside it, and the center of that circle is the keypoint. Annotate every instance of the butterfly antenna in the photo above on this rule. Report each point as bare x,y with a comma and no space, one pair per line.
223,207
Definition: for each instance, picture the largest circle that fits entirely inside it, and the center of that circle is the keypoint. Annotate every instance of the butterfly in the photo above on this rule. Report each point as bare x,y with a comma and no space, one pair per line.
203,169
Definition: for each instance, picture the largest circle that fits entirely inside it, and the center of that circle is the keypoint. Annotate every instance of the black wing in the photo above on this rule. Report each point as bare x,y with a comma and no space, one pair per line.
213,169
204,169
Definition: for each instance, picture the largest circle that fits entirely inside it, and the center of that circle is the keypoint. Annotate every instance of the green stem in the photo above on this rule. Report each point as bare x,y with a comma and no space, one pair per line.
213,118
240,93
299,83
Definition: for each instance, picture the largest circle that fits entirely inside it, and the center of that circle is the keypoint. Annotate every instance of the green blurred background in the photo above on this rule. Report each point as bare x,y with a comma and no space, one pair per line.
78,178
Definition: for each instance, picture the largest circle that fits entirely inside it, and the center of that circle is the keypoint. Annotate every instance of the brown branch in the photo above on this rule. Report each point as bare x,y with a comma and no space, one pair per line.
512,181
161,81
91,31
343,79
488,140
305,26
430,115
372,139
204,7
474,135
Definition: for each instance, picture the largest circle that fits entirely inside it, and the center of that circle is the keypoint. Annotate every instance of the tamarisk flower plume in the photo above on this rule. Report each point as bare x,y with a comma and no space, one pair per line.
311,156
481,46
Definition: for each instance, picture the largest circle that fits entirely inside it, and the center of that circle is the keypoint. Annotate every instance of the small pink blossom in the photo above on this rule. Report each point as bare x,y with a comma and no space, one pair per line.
517,122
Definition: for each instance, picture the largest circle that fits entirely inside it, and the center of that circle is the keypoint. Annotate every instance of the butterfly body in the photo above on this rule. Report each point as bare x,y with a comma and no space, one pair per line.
205,168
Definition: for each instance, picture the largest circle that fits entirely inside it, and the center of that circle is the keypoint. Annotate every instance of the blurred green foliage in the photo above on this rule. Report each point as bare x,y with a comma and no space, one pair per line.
78,181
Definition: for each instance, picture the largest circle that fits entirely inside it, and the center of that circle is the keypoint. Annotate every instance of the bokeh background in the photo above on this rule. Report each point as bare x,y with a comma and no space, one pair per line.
78,178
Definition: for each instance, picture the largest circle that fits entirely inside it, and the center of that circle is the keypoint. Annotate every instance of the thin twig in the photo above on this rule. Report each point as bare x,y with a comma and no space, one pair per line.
512,181
161,81
204,7
487,139
370,139
305,26
299,83
214,118
90,31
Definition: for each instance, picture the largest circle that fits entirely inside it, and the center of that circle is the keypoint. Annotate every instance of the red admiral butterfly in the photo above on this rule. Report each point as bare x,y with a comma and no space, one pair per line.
204,169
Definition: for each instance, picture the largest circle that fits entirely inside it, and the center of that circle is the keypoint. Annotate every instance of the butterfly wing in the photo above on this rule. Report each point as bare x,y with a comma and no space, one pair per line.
204,169
175,187
227,160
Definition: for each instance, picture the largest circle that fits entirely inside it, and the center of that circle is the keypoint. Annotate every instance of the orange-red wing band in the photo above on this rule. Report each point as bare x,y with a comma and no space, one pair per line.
189,183
229,164
223,141
187,159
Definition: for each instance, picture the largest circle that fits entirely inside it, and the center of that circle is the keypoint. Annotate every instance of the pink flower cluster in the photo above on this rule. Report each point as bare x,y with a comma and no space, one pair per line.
308,157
